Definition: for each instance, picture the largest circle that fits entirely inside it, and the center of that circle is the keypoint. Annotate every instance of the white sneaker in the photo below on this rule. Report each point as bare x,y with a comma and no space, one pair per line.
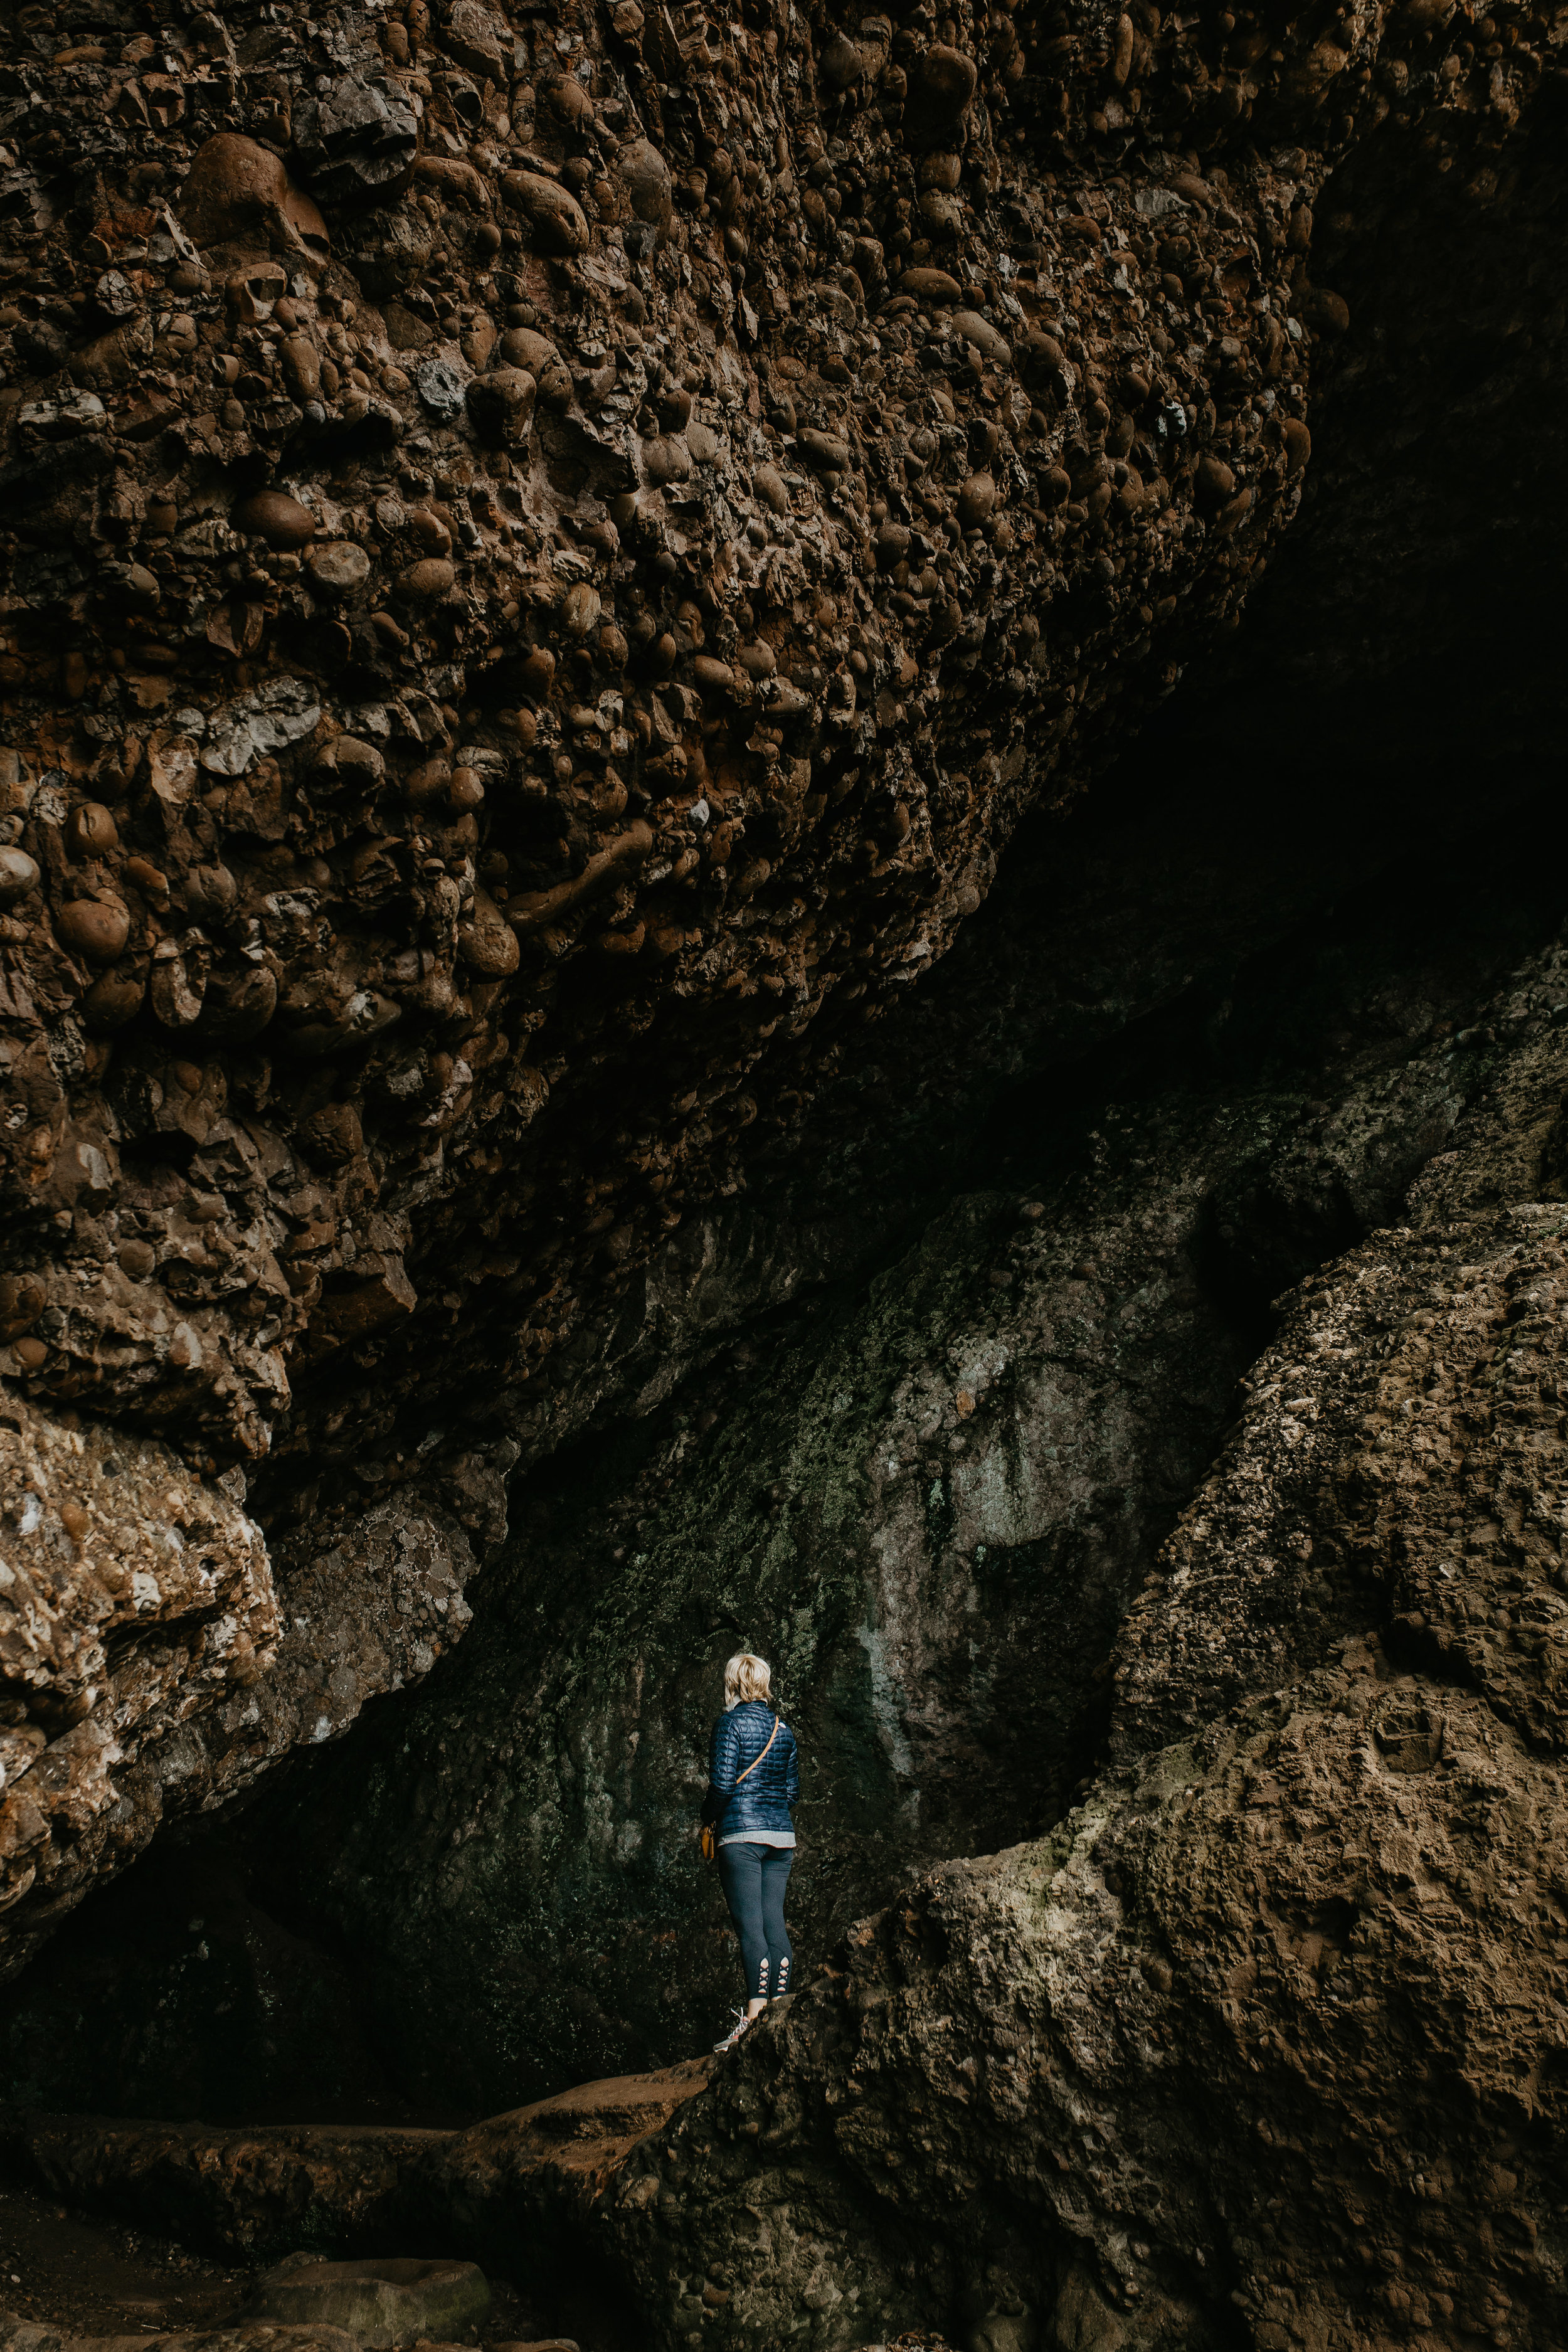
741,2021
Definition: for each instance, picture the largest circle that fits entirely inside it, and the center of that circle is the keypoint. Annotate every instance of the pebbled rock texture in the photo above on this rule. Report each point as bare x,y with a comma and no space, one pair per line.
541,566
536,569
134,1598
543,563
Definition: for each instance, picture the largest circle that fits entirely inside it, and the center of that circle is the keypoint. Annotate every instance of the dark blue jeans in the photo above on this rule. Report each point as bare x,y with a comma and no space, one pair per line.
753,1878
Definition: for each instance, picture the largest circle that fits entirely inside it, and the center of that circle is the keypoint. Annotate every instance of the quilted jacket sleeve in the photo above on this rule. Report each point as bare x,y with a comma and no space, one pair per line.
792,1783
725,1754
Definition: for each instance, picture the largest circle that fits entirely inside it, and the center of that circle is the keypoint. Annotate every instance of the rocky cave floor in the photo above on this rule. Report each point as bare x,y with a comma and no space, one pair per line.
92,2277
78,2275
82,2275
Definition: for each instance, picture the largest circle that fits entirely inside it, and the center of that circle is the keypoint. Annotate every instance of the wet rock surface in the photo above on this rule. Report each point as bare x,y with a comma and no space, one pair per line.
543,564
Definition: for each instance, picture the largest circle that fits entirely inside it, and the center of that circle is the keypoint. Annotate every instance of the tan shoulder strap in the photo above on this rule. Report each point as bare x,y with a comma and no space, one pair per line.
757,1760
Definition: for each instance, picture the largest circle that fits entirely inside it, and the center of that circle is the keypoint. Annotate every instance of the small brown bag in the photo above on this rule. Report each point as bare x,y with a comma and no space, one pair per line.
707,1835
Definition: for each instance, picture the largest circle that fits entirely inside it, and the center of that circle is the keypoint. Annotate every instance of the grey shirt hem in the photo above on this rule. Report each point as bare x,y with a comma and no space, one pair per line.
759,1837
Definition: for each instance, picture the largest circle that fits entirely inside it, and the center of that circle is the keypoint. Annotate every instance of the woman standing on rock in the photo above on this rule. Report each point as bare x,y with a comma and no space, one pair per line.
753,1780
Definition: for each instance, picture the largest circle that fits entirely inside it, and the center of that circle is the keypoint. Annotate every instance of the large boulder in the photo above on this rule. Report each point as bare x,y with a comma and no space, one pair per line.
526,2187
1272,2021
400,2299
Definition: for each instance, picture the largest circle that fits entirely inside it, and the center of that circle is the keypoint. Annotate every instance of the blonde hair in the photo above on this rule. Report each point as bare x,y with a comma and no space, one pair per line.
747,1676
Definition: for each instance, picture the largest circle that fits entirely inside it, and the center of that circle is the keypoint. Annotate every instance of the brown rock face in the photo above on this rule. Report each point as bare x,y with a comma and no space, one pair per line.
534,595
147,1668
750,438
132,1596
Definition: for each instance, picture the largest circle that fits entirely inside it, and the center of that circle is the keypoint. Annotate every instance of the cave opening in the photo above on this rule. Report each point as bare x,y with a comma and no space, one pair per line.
1287,1032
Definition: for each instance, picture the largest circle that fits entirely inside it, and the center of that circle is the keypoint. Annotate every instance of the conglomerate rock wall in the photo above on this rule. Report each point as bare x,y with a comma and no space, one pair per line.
545,556
410,878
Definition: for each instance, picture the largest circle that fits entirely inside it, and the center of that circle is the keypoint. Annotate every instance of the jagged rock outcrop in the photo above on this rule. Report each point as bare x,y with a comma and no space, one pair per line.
132,1597
1273,2022
541,562
147,1669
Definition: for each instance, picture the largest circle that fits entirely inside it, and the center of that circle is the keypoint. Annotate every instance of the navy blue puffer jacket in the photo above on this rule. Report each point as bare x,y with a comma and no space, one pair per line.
762,1800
